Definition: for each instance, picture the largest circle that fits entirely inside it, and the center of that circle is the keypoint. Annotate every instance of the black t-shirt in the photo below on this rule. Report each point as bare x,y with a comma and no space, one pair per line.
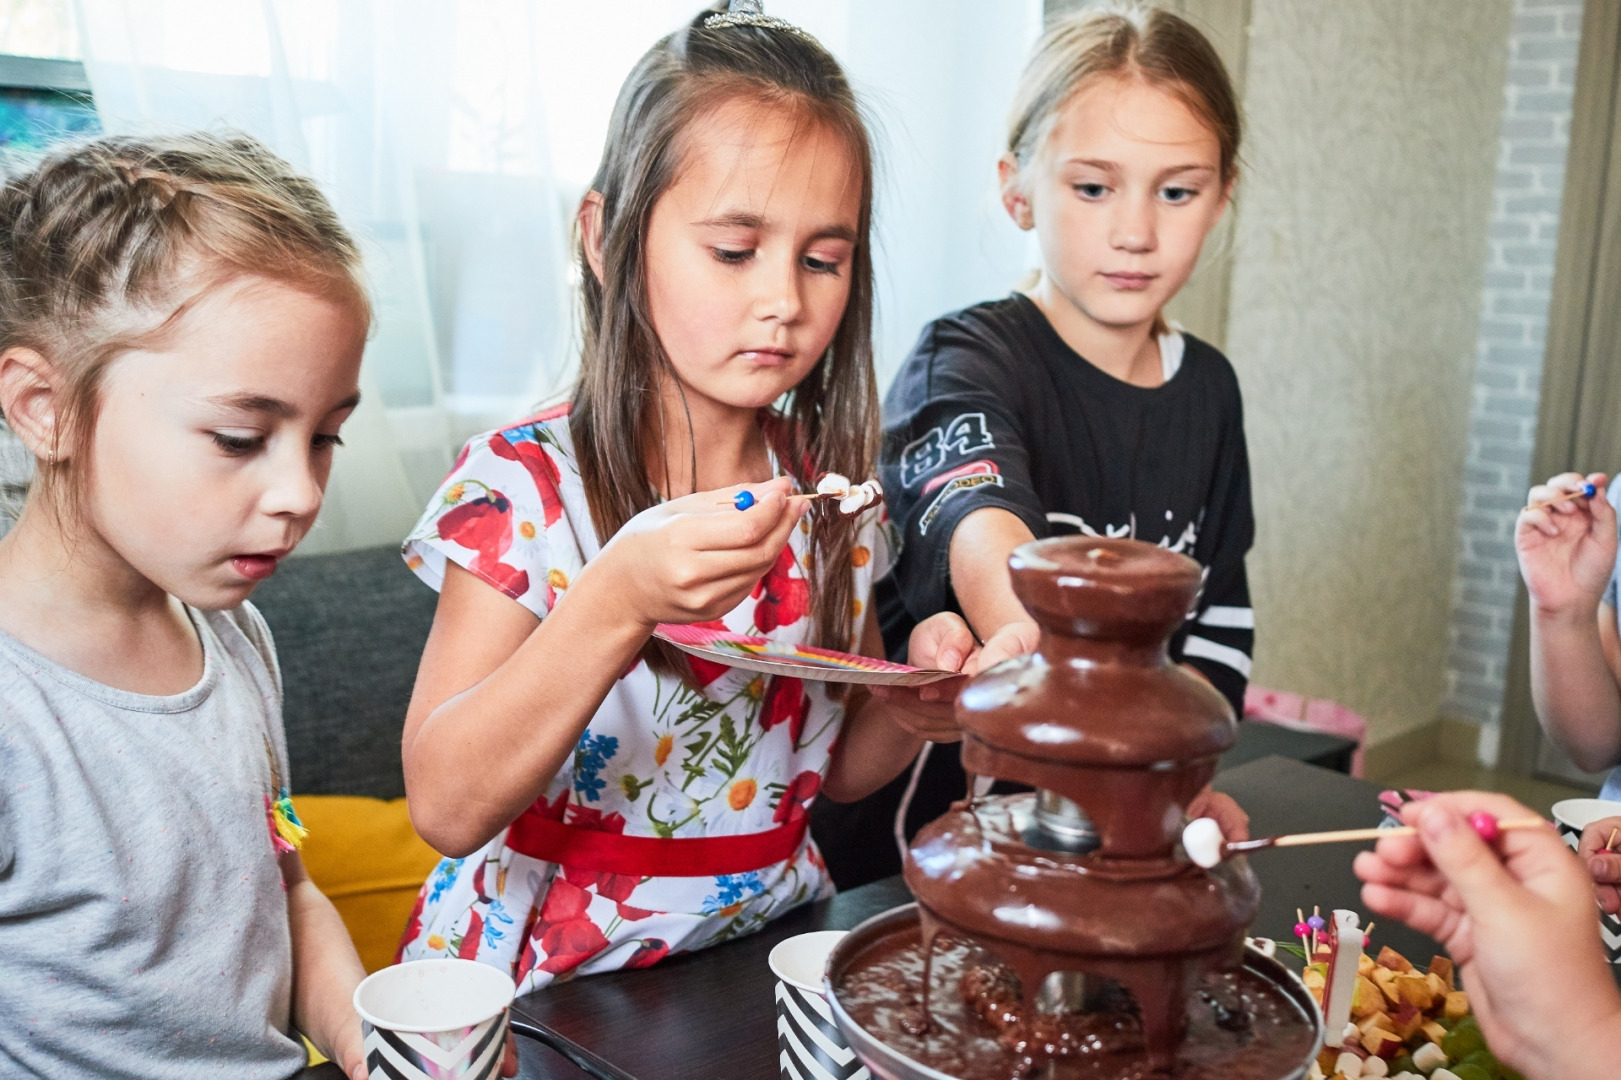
992,408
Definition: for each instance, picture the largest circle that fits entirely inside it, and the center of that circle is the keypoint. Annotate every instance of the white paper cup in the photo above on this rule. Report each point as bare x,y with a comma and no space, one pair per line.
435,1020
1572,816
810,1044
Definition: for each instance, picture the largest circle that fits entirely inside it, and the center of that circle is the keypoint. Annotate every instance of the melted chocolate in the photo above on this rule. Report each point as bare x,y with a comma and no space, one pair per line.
987,1034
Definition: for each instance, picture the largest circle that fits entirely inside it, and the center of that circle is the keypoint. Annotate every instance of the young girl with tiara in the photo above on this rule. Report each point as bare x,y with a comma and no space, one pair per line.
1071,406
606,800
181,324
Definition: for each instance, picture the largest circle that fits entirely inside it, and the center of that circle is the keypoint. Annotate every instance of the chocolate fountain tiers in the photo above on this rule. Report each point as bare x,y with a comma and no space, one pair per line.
1064,926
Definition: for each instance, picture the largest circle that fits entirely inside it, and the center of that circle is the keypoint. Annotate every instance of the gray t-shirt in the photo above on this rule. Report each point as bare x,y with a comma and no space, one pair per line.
143,920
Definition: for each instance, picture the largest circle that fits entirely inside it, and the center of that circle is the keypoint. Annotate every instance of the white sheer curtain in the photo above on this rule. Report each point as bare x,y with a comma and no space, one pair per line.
456,136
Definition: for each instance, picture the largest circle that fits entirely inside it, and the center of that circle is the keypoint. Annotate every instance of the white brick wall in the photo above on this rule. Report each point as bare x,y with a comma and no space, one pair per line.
1508,368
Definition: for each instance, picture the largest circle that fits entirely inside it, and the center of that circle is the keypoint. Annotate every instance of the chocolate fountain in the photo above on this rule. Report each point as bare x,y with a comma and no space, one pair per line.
1061,933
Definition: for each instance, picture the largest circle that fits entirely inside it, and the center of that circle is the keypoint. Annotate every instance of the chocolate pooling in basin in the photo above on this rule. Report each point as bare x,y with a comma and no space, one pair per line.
1063,932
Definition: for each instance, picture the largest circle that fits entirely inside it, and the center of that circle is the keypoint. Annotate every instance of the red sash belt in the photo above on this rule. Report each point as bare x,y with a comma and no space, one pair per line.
652,856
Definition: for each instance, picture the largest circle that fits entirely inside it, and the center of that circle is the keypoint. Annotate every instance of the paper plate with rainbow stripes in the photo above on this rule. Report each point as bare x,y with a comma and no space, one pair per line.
800,661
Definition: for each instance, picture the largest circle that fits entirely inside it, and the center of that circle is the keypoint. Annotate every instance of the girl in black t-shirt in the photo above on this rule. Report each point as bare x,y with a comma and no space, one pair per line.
1071,406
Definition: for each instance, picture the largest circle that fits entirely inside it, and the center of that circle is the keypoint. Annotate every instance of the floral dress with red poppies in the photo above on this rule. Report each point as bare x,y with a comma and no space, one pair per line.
733,753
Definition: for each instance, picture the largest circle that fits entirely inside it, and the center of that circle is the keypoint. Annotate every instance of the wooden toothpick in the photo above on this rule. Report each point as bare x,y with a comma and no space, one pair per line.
1586,491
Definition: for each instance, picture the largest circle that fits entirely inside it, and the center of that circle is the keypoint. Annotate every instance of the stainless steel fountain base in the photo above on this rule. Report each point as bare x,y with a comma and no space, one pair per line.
890,1064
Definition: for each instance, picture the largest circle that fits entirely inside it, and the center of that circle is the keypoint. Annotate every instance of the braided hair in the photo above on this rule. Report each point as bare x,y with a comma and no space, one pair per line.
104,244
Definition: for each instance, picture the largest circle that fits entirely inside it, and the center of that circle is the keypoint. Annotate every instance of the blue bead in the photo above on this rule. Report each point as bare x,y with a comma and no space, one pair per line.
1589,490
743,500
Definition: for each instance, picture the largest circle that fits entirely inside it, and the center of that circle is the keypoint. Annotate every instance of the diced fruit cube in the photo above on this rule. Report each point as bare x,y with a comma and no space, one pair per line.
1315,976
1405,1020
1382,1043
1438,987
1365,965
1395,961
1457,1005
1442,966
1414,989
1433,1031
1366,998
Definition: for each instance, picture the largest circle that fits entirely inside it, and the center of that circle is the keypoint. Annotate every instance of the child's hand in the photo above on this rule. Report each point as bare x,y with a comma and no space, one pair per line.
942,641
1604,866
1014,639
1520,924
1567,550
349,1051
1234,822
694,558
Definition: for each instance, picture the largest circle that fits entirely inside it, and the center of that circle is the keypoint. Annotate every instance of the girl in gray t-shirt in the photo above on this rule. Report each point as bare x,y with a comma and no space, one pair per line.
1567,552
181,324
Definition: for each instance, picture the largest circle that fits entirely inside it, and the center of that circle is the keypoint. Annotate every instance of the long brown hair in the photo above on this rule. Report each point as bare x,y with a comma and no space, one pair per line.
1124,40
104,244
829,422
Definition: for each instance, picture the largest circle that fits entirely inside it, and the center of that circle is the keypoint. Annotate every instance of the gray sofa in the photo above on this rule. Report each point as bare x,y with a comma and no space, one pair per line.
349,632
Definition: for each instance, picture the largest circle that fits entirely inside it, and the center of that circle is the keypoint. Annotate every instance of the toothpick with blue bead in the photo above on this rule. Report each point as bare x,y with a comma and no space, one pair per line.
1586,491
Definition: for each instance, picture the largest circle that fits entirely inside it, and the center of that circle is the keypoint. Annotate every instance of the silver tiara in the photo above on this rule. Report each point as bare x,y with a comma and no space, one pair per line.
750,13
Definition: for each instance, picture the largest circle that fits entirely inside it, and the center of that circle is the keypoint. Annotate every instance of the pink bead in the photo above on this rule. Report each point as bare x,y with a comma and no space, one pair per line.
1367,940
1301,929
1485,825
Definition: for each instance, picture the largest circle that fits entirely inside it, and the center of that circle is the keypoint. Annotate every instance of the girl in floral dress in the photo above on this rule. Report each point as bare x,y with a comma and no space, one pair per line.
605,800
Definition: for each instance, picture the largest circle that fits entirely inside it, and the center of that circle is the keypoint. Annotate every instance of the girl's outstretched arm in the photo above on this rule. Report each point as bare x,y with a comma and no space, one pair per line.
885,726
1567,555
326,971
979,576
501,697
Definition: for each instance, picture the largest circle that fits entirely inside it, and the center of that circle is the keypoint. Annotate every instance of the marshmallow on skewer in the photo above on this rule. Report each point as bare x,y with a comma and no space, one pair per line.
1203,841
833,484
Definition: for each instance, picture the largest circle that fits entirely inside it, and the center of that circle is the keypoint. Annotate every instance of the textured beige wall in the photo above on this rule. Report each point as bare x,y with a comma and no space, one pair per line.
1359,248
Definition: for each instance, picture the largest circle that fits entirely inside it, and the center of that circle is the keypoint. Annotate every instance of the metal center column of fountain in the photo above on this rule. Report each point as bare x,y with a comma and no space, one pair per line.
1082,878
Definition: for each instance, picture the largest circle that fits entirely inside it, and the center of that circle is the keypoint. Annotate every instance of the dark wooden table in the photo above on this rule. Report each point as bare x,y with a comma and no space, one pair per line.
1258,739
711,1014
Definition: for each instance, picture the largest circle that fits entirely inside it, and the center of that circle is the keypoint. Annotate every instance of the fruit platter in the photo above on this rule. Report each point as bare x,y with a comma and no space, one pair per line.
1405,1023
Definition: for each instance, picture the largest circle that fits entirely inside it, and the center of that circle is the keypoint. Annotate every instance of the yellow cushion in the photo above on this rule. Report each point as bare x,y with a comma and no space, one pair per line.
364,855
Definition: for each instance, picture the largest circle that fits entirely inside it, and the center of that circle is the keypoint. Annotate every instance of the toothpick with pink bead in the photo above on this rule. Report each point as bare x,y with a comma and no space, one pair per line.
1202,839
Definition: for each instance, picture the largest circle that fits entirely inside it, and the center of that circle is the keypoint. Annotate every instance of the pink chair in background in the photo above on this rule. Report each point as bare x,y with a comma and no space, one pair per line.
1303,714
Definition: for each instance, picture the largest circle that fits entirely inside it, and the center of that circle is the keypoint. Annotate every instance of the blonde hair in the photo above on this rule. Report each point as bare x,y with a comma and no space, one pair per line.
1124,40
105,244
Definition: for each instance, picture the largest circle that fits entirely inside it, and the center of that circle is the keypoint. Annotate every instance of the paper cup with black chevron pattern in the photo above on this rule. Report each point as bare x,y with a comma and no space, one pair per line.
435,1020
810,1045
1572,816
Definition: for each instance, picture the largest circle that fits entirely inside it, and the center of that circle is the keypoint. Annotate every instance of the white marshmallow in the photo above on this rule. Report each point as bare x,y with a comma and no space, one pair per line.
853,503
1375,1066
1428,1058
833,484
1202,840
1349,1066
